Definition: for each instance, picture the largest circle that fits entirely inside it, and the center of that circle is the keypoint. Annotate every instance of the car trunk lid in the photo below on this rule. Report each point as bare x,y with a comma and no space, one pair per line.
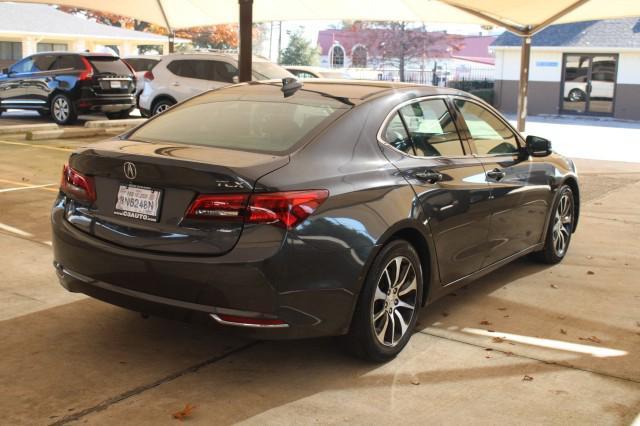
144,190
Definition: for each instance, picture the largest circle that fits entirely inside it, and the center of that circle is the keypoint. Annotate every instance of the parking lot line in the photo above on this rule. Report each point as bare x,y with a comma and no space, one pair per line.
55,148
28,187
22,185
16,231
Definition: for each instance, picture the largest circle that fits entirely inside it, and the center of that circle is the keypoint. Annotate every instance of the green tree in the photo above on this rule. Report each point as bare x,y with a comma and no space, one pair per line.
299,51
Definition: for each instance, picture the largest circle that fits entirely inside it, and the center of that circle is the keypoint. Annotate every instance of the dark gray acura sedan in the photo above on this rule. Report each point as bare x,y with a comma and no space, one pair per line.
290,211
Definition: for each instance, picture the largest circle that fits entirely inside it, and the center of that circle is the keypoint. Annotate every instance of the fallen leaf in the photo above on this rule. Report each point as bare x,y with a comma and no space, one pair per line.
561,317
488,357
488,349
502,309
415,381
508,353
563,331
445,314
593,339
185,412
511,343
553,286
485,322
490,330
527,378
561,392
452,294
507,316
590,273
497,340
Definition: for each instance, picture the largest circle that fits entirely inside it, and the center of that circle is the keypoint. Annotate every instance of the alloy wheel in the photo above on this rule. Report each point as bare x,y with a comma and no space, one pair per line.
162,108
61,109
394,301
562,224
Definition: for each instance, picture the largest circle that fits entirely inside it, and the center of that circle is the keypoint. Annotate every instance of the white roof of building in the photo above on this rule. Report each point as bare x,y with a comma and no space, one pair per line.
43,20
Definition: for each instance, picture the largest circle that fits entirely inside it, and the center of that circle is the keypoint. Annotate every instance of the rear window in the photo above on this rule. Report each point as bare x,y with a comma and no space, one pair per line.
109,65
266,126
141,64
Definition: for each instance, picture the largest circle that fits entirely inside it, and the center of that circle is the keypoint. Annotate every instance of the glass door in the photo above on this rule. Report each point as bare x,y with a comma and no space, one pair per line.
588,85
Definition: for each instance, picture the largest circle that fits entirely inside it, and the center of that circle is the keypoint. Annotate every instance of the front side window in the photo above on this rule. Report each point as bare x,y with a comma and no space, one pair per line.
490,135
432,129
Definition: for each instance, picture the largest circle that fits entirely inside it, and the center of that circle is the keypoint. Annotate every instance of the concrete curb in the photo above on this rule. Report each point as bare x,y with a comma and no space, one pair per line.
63,133
128,122
23,128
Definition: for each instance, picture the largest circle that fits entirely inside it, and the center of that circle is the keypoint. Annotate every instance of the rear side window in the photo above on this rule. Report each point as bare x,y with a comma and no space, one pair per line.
491,135
203,69
396,135
432,129
42,62
67,62
269,126
109,65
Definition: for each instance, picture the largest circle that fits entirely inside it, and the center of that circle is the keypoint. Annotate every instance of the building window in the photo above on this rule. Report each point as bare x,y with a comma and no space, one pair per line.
337,56
52,47
10,50
359,57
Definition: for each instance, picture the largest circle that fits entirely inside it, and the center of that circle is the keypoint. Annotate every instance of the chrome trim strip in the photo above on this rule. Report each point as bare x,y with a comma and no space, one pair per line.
23,101
244,324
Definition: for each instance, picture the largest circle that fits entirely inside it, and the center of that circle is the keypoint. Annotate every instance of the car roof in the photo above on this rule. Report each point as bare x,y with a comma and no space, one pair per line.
350,92
88,54
197,54
155,57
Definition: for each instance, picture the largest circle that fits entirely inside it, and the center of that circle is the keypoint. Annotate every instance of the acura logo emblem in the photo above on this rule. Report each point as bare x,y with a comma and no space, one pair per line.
130,170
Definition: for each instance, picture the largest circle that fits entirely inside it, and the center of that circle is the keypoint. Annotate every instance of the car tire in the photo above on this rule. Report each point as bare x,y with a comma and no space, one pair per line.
120,115
560,228
63,111
387,299
577,95
161,106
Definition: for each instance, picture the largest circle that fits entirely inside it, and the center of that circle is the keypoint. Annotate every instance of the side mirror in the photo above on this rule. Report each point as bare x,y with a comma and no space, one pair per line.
235,79
537,146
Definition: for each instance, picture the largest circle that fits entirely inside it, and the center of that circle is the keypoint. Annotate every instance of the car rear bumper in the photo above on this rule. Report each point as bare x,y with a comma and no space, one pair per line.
192,288
107,103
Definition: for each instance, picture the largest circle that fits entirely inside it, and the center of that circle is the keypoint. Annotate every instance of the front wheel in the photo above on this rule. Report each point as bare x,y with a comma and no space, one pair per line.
560,228
161,106
62,110
388,305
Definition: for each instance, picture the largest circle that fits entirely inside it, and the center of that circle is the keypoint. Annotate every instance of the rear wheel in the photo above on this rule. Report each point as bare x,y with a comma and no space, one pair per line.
560,228
389,303
161,106
62,110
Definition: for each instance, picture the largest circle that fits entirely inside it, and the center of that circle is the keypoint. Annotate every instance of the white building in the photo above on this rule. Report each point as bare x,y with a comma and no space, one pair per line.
584,68
29,28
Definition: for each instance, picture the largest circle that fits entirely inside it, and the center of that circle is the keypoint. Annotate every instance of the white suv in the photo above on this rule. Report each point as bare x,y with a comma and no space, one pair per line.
180,76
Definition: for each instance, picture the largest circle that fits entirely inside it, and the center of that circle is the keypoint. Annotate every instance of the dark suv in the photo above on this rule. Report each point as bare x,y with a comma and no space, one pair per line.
64,85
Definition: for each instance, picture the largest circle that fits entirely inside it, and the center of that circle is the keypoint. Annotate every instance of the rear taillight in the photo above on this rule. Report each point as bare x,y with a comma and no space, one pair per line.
87,73
78,186
148,76
286,209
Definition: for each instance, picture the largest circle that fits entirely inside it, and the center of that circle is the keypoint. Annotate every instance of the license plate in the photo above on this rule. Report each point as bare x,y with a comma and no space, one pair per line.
138,202
116,84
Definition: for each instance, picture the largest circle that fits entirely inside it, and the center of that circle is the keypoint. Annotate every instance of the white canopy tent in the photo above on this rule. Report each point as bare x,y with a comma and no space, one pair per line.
521,17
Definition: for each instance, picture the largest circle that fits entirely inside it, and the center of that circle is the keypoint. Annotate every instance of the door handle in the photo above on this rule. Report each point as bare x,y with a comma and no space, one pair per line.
496,174
428,176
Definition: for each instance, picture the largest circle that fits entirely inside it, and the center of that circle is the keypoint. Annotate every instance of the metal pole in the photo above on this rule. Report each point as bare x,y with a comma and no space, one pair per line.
172,41
246,22
279,41
523,88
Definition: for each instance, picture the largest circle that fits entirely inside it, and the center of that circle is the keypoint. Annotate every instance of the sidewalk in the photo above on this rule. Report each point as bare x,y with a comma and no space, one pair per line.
597,139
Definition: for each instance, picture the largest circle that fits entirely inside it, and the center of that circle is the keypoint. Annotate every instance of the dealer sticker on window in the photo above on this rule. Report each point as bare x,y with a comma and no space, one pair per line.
138,202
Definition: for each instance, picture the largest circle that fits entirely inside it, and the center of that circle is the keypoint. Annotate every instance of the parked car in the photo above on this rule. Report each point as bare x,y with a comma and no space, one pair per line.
288,210
141,64
304,72
63,85
180,76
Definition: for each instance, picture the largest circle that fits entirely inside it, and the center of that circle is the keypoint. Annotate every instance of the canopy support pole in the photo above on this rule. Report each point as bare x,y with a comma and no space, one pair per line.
246,22
171,34
523,87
